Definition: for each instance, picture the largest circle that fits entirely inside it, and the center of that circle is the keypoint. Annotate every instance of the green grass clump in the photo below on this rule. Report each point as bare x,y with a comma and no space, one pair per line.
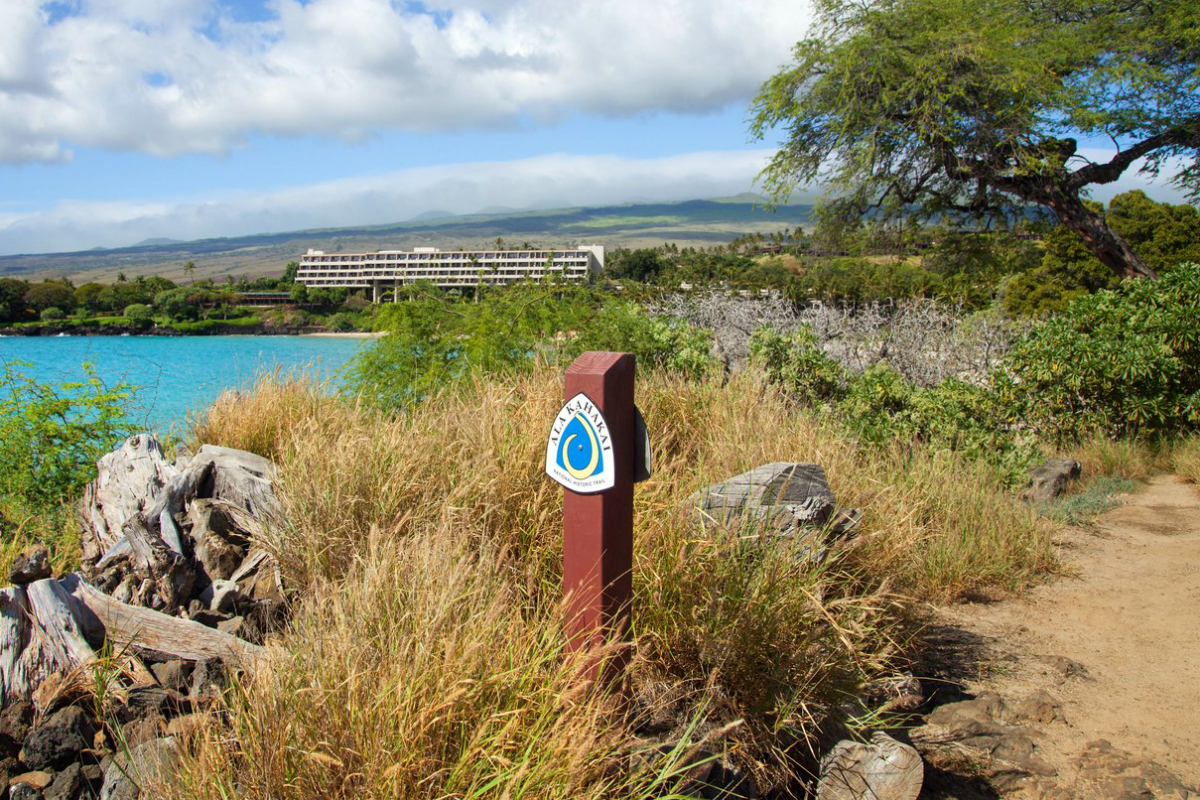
1101,494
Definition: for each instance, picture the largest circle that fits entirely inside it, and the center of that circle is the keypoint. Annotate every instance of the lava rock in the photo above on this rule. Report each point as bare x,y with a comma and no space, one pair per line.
1050,480
208,678
210,619
31,564
150,701
143,729
23,791
35,780
15,720
174,674
59,740
9,767
68,784
188,725
93,779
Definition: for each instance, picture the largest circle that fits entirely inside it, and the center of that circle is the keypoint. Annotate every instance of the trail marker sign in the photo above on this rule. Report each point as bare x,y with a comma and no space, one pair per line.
579,452
597,450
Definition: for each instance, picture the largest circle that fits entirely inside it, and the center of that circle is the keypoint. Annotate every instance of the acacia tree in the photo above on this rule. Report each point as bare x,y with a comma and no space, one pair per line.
976,108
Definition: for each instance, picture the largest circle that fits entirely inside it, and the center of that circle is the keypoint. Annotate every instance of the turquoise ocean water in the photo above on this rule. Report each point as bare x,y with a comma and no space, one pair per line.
177,375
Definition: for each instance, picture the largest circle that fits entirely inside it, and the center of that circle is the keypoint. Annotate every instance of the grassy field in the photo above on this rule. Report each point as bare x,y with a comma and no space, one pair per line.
426,656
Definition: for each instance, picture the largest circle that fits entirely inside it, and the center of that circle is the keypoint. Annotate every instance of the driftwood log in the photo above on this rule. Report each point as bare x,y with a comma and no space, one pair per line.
150,632
53,626
174,565
191,524
129,480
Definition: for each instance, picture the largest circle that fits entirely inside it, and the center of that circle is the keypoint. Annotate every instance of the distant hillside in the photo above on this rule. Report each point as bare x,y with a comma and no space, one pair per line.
695,222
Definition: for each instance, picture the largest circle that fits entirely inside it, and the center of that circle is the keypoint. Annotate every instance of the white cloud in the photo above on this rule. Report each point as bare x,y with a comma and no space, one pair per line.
1159,188
550,181
174,76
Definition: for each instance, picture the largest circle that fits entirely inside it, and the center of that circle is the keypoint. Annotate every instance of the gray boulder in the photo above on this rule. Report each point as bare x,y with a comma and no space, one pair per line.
125,774
784,495
885,769
1050,480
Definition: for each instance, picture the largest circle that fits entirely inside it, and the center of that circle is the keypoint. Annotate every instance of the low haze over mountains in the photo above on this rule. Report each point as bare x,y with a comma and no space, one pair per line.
695,222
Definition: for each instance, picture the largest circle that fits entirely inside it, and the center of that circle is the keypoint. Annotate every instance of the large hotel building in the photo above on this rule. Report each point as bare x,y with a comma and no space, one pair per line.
390,269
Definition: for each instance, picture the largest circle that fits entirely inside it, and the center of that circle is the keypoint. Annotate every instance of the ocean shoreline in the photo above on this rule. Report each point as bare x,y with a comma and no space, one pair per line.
217,329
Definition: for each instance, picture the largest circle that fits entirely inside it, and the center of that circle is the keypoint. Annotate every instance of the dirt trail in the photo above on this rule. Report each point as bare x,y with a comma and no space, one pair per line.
1115,644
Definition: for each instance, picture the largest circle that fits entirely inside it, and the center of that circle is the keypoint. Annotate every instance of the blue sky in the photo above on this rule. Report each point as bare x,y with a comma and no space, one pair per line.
122,120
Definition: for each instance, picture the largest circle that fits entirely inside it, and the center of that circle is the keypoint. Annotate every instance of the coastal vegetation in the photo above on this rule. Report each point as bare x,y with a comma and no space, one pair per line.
960,314
153,304
415,520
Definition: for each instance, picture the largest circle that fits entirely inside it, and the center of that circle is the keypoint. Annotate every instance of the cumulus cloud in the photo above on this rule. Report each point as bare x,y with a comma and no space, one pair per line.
550,181
174,76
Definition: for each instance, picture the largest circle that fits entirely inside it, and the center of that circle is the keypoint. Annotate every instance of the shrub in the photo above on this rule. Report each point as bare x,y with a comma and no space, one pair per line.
795,362
1123,362
139,314
53,314
53,434
343,321
437,342
880,405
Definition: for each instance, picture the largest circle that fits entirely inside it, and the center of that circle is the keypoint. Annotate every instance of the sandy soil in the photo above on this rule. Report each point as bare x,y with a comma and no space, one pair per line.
1129,613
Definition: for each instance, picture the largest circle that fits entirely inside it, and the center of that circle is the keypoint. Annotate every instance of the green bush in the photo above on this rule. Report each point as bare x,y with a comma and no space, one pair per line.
796,362
53,314
1121,362
343,321
880,406
53,434
435,341
139,314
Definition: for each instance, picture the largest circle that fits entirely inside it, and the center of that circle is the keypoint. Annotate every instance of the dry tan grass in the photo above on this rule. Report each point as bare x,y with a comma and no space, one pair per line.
426,658
1186,459
1121,458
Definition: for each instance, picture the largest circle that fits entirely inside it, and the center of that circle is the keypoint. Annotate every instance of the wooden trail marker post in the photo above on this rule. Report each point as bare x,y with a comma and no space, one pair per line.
597,449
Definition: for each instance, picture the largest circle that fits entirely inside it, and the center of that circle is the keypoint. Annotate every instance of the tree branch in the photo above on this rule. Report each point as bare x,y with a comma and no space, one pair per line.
1110,171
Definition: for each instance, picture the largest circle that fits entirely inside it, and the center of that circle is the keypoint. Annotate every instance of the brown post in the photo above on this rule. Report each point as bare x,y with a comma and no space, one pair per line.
598,528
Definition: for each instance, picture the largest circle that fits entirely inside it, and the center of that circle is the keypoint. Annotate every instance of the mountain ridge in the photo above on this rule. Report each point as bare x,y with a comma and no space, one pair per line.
688,222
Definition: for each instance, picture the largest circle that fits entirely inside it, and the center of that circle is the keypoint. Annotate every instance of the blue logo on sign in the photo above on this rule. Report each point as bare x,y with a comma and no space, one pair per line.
579,449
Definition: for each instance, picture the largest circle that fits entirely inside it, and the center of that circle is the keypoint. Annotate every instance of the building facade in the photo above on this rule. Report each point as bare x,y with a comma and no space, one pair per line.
383,272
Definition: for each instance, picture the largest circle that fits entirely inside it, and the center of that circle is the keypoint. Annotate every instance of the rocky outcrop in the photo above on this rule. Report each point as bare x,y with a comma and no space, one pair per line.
1050,480
884,769
787,499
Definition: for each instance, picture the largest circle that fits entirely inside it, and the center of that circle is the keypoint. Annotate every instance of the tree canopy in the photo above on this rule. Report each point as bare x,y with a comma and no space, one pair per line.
982,108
